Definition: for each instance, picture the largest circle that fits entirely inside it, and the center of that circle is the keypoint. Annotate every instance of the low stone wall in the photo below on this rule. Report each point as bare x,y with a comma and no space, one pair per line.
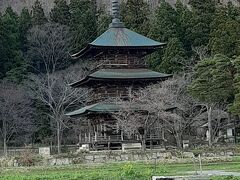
110,157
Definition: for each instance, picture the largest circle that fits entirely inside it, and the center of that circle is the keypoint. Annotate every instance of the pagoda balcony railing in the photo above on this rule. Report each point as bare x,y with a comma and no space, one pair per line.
117,138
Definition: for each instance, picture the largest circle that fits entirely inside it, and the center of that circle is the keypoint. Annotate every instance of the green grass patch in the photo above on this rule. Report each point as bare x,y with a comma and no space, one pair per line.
116,171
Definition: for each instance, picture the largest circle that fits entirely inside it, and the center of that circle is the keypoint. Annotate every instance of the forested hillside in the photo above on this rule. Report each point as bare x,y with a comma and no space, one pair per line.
18,5
203,48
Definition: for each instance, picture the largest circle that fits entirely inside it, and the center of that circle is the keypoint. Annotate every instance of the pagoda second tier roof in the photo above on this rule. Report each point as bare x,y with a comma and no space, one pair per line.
121,75
95,108
120,38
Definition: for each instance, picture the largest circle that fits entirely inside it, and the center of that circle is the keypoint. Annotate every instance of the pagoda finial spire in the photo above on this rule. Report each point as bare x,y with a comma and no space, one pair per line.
115,9
116,22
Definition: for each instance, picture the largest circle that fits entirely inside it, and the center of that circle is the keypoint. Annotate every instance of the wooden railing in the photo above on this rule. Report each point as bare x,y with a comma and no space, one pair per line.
112,138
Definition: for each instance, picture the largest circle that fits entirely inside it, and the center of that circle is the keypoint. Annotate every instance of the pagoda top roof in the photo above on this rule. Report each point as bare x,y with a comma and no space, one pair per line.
123,37
96,108
121,75
119,37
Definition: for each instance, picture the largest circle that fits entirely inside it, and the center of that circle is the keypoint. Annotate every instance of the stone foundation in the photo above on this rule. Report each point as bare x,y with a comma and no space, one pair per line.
114,157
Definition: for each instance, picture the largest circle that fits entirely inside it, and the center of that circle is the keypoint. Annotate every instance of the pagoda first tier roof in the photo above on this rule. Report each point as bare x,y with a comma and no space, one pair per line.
96,108
119,38
121,75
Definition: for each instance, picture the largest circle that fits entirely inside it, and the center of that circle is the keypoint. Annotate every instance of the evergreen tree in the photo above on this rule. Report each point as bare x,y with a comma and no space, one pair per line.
163,28
60,13
183,27
38,16
212,84
83,23
10,41
103,21
235,108
135,15
165,23
25,23
225,32
213,80
198,33
1,49
173,57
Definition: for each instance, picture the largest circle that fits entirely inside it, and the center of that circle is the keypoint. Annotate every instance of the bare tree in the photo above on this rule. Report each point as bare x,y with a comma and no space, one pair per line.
167,102
54,92
48,48
201,51
49,45
139,114
16,112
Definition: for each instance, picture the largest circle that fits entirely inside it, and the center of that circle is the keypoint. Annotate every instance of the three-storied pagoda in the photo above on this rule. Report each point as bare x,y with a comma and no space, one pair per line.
121,53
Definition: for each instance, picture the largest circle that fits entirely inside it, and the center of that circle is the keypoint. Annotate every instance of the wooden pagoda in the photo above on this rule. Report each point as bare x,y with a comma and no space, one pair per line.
121,53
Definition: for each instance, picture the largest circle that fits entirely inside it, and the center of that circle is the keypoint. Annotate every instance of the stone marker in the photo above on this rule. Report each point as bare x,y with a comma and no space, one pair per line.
44,151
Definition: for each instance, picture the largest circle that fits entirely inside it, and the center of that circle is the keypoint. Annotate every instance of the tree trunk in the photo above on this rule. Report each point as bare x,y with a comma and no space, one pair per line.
210,126
58,138
5,146
178,141
4,137
144,136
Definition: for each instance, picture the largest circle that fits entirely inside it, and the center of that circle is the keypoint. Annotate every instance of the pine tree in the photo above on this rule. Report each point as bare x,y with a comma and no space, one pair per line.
223,76
213,80
173,57
212,84
60,13
38,16
136,15
83,24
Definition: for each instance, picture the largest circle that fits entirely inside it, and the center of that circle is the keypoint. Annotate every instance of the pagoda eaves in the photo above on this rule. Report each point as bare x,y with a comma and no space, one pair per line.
119,38
121,75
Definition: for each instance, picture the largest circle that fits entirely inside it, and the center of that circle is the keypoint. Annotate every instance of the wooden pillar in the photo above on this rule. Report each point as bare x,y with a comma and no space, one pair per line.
109,145
89,137
80,138
105,129
122,138
85,140
151,144
95,136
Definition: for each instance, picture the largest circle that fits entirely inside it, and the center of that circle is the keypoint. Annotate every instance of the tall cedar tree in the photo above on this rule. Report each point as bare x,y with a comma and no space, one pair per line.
165,23
11,55
135,15
173,57
38,16
25,23
235,108
83,24
166,28
184,15
19,72
1,48
60,13
225,31
202,17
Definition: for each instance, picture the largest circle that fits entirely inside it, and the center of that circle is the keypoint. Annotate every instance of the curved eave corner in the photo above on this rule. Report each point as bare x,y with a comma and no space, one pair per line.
95,108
